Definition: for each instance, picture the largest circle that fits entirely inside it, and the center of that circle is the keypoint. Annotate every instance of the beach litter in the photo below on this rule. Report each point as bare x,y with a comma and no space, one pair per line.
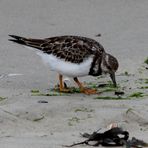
113,137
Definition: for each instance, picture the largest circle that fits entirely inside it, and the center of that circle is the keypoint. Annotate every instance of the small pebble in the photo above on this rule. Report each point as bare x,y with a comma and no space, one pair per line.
119,93
42,101
98,35
102,85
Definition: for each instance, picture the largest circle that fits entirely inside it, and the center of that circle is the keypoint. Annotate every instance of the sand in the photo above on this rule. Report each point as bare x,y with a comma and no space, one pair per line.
25,123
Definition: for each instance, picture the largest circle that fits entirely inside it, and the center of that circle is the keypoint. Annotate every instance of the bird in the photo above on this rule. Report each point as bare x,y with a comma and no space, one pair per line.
73,56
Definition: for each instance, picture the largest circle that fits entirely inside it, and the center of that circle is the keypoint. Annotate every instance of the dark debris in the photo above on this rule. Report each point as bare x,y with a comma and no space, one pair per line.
42,101
119,93
114,137
108,138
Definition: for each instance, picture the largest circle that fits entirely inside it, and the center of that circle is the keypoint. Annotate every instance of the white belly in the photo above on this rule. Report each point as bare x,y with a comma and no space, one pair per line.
66,68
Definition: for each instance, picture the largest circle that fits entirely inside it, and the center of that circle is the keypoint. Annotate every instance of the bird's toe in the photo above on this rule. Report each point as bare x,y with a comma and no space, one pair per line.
89,91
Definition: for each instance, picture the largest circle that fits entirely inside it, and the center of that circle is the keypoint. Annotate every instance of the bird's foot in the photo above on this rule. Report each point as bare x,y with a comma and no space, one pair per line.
89,91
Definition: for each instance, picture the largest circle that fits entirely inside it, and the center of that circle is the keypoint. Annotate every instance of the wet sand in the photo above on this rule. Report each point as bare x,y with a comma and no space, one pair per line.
24,122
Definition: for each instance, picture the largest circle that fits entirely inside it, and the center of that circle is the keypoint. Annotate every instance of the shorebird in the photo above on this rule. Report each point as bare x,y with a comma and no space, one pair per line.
73,56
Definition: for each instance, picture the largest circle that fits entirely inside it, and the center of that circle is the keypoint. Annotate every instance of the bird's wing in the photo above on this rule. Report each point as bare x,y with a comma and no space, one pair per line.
74,49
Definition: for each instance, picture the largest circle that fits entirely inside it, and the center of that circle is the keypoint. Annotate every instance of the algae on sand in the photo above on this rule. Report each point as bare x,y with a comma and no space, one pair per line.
83,109
146,61
35,92
111,98
137,94
73,121
38,119
2,98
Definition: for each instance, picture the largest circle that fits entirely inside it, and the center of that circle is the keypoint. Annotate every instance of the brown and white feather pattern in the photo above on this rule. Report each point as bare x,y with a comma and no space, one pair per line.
74,49
73,56
69,55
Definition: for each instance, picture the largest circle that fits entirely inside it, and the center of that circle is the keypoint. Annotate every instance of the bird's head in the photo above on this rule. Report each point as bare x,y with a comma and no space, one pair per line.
109,65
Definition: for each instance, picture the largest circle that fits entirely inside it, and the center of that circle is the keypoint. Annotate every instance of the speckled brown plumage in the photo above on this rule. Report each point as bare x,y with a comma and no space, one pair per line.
73,56
74,49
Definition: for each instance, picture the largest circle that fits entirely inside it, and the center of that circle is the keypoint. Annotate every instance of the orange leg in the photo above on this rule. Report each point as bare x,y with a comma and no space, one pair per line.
62,89
83,89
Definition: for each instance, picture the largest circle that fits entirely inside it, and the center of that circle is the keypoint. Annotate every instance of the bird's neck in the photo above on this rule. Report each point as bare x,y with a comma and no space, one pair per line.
95,69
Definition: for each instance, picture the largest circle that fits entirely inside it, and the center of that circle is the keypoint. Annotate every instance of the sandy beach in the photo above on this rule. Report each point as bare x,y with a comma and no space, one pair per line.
26,123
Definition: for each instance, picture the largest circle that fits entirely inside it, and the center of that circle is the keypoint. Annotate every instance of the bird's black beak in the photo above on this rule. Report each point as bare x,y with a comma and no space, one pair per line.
112,75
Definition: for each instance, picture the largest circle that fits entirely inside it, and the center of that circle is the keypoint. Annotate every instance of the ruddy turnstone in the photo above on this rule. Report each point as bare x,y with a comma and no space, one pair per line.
73,56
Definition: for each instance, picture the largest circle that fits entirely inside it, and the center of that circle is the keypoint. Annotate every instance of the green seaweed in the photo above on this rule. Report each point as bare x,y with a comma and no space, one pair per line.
70,124
146,61
143,87
70,90
92,85
48,94
38,119
108,90
146,81
129,110
137,94
73,120
126,73
124,80
109,87
2,98
142,80
75,90
111,98
83,109
35,91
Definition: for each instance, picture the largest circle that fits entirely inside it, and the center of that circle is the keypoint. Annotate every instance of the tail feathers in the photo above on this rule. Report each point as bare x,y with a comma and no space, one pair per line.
18,39
36,43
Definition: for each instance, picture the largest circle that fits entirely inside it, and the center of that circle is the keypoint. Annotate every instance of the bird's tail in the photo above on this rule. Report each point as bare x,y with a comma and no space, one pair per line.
36,43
